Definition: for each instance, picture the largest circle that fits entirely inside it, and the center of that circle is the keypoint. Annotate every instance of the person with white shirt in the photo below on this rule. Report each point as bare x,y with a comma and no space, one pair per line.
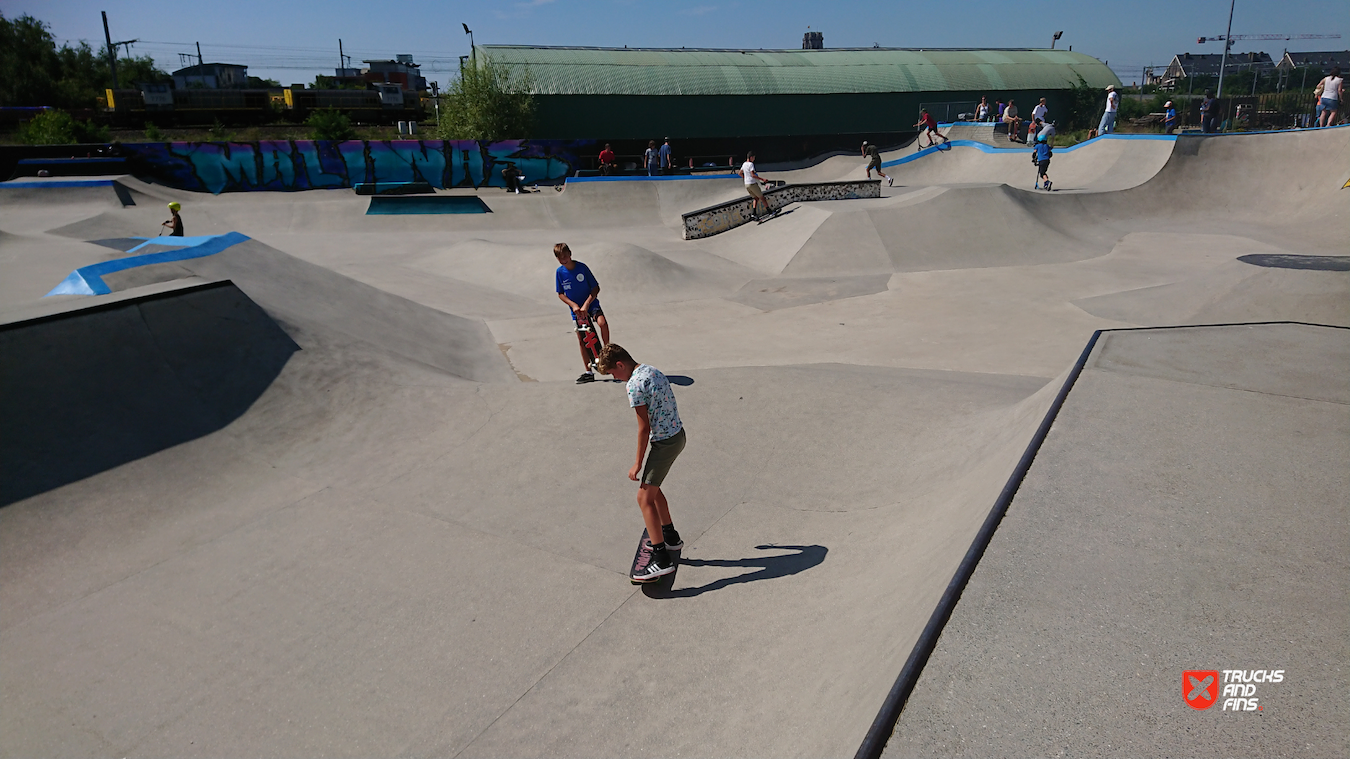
752,180
1108,124
1333,87
1040,111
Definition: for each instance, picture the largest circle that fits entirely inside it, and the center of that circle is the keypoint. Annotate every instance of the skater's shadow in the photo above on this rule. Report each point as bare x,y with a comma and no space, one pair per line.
680,379
770,567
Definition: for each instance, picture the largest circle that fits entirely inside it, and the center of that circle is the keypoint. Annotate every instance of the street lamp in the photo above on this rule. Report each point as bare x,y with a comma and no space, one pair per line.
472,54
1056,39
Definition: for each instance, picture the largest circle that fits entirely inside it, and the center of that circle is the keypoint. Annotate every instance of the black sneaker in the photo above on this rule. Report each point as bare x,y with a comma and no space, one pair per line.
652,565
586,377
672,537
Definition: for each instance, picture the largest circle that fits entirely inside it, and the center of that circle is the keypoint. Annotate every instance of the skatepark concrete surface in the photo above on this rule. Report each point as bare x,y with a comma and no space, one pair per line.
1138,548
333,491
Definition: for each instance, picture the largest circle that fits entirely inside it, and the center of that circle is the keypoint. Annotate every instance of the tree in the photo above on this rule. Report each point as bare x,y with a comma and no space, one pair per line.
56,127
488,101
1085,104
33,71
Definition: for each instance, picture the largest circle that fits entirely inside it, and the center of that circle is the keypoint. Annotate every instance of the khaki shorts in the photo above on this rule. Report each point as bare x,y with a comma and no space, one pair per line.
660,456
754,190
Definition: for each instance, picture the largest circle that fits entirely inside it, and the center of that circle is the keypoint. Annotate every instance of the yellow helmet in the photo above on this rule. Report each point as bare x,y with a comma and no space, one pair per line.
175,206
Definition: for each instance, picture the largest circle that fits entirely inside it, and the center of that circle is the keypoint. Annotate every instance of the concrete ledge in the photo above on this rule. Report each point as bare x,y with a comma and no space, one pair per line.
717,219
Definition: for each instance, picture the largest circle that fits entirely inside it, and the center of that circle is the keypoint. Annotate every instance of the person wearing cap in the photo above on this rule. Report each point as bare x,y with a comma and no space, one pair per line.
667,163
176,222
1108,124
1170,117
874,161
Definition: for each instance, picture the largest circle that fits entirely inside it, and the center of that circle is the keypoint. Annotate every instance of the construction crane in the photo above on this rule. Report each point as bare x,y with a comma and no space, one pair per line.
1234,37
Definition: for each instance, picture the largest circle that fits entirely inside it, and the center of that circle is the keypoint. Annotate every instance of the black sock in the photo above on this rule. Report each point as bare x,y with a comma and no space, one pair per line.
659,546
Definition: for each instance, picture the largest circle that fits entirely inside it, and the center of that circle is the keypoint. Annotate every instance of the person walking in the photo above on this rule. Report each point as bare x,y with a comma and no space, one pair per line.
660,428
752,180
651,159
1333,86
174,222
874,161
1108,123
578,288
667,163
1170,117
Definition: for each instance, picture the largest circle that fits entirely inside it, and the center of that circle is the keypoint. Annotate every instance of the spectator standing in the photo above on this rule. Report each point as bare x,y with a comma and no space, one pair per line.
1040,111
874,161
1208,106
1170,117
1108,124
667,163
982,111
1333,87
606,160
651,159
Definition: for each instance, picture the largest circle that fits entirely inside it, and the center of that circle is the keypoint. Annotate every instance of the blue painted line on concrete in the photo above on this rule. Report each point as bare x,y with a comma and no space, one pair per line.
88,280
22,185
983,148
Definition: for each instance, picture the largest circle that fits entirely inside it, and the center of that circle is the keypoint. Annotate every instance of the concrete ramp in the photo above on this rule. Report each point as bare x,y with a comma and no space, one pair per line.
109,381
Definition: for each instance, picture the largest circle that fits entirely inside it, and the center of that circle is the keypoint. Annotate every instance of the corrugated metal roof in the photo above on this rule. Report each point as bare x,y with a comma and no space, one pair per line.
623,71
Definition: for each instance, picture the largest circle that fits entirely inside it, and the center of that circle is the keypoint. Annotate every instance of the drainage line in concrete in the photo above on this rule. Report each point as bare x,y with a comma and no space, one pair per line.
884,724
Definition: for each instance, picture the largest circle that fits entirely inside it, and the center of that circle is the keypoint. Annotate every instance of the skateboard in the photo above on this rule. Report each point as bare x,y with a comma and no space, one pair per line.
663,582
770,215
589,338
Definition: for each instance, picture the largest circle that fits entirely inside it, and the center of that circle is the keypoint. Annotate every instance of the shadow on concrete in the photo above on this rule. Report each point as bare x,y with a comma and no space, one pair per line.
1290,261
88,390
680,379
771,567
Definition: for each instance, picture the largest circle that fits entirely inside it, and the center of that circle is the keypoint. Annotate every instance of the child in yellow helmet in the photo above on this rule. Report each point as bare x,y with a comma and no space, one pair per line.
176,222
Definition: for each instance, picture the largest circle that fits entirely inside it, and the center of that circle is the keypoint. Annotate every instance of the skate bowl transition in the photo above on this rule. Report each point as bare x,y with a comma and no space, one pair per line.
317,481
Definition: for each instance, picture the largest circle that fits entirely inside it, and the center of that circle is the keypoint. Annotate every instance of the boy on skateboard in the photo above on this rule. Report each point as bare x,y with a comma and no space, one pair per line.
659,426
579,290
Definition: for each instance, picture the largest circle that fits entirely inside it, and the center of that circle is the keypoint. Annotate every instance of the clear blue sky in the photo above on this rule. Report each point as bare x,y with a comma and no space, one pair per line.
292,40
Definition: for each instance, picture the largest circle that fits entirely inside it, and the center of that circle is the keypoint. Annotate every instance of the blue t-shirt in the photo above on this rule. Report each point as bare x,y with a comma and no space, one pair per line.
649,387
665,156
1171,115
577,284
1042,151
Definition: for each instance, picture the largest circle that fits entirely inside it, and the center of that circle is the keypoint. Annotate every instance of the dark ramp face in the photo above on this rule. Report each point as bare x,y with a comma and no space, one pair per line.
86,391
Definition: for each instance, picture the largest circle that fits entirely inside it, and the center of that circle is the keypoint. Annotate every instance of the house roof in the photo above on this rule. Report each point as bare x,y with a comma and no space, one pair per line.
1208,63
1325,59
696,71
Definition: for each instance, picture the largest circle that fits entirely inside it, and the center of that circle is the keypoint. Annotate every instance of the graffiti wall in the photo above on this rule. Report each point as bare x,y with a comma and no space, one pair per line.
286,165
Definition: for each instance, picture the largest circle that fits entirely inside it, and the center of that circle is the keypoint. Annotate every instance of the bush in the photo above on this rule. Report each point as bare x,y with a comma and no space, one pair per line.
56,127
1085,106
330,125
152,132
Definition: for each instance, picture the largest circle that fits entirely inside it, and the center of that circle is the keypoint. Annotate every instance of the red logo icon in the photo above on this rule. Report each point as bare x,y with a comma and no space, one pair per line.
1200,687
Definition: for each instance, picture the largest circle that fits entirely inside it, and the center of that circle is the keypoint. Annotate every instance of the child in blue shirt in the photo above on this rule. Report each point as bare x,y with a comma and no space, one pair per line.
1043,154
578,288
1170,120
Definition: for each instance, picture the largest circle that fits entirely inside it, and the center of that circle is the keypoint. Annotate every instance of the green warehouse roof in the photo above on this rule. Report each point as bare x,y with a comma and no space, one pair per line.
623,71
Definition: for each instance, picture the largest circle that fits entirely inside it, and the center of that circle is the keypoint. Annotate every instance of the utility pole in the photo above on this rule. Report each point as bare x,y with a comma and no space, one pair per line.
342,59
112,52
1227,43
199,55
